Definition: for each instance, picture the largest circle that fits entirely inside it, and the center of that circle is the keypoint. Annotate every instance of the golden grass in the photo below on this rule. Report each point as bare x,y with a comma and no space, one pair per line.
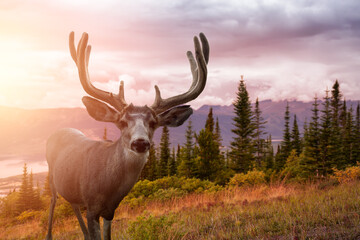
197,211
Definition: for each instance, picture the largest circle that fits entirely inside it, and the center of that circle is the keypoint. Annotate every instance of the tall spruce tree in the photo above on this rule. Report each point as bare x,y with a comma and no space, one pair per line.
356,144
47,190
149,171
269,154
285,148
24,200
242,149
164,153
326,162
208,160
186,166
259,141
295,137
172,164
348,138
217,133
336,140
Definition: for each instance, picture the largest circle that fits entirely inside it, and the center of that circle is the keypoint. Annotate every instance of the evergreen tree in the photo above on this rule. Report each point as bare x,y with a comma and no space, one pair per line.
47,190
242,149
32,194
349,139
269,154
295,137
149,171
209,125
208,160
336,140
285,143
217,135
164,153
259,142
186,166
24,199
172,164
326,162
356,130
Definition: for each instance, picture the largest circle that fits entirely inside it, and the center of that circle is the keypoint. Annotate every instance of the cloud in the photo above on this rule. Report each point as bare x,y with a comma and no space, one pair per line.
285,50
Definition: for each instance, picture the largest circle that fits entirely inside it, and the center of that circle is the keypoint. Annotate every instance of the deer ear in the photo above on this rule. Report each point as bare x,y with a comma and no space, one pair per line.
175,116
99,110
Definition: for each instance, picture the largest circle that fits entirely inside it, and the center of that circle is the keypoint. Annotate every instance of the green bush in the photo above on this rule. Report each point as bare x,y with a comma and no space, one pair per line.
151,227
167,188
251,178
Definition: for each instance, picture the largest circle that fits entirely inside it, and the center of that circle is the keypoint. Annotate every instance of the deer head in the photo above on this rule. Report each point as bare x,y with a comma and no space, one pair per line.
138,124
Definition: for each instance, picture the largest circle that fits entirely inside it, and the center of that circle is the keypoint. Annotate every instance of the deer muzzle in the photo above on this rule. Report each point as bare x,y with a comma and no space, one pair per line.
140,145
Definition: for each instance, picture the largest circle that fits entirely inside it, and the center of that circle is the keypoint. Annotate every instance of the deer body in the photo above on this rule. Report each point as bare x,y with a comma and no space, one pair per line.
99,174
98,170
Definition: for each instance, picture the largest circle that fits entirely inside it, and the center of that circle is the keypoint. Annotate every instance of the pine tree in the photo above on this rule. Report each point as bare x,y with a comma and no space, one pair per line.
285,149
47,190
356,130
209,125
326,162
217,135
172,164
336,140
149,171
348,137
208,160
310,159
164,153
259,142
186,166
269,154
295,137
242,149
24,199
32,194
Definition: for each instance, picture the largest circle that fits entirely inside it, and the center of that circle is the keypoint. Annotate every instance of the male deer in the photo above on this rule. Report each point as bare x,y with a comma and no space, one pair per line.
99,174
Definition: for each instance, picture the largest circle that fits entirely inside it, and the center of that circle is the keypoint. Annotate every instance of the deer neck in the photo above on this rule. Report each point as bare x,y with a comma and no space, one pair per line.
127,163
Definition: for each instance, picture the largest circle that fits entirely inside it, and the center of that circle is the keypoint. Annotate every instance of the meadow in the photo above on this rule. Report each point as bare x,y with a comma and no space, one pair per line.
324,209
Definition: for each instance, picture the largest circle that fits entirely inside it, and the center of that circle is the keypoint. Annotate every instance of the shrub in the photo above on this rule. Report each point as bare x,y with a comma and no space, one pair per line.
348,175
151,227
29,215
167,188
251,178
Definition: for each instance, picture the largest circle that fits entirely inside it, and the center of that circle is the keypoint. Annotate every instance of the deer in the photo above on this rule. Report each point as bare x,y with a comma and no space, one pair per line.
96,174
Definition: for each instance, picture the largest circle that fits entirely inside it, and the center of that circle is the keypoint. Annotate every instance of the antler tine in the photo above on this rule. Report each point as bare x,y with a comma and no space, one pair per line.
199,73
81,57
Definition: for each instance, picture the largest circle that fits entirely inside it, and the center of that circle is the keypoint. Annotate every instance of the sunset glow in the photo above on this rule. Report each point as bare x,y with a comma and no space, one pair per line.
285,49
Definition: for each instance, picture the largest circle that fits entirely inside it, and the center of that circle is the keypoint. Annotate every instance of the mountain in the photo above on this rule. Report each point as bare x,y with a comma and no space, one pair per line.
23,132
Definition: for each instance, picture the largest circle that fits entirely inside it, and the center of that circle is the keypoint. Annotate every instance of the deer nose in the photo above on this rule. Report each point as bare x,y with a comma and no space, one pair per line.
140,145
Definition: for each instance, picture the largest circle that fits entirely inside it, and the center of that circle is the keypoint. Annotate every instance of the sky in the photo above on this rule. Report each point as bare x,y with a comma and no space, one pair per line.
285,49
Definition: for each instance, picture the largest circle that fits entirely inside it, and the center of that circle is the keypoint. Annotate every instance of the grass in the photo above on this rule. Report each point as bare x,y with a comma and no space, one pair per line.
262,212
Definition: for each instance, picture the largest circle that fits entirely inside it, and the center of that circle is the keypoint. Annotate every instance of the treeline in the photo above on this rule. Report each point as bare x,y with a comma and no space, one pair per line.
330,140
28,198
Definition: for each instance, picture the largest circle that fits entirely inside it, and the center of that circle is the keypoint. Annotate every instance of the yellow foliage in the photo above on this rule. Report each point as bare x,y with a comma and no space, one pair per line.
251,178
28,215
348,175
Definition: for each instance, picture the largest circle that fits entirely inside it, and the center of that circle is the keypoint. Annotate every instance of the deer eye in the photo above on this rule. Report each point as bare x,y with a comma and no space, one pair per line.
122,124
152,124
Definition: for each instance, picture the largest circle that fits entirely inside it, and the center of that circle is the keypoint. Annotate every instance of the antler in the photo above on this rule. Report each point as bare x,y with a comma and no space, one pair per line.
79,56
199,74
